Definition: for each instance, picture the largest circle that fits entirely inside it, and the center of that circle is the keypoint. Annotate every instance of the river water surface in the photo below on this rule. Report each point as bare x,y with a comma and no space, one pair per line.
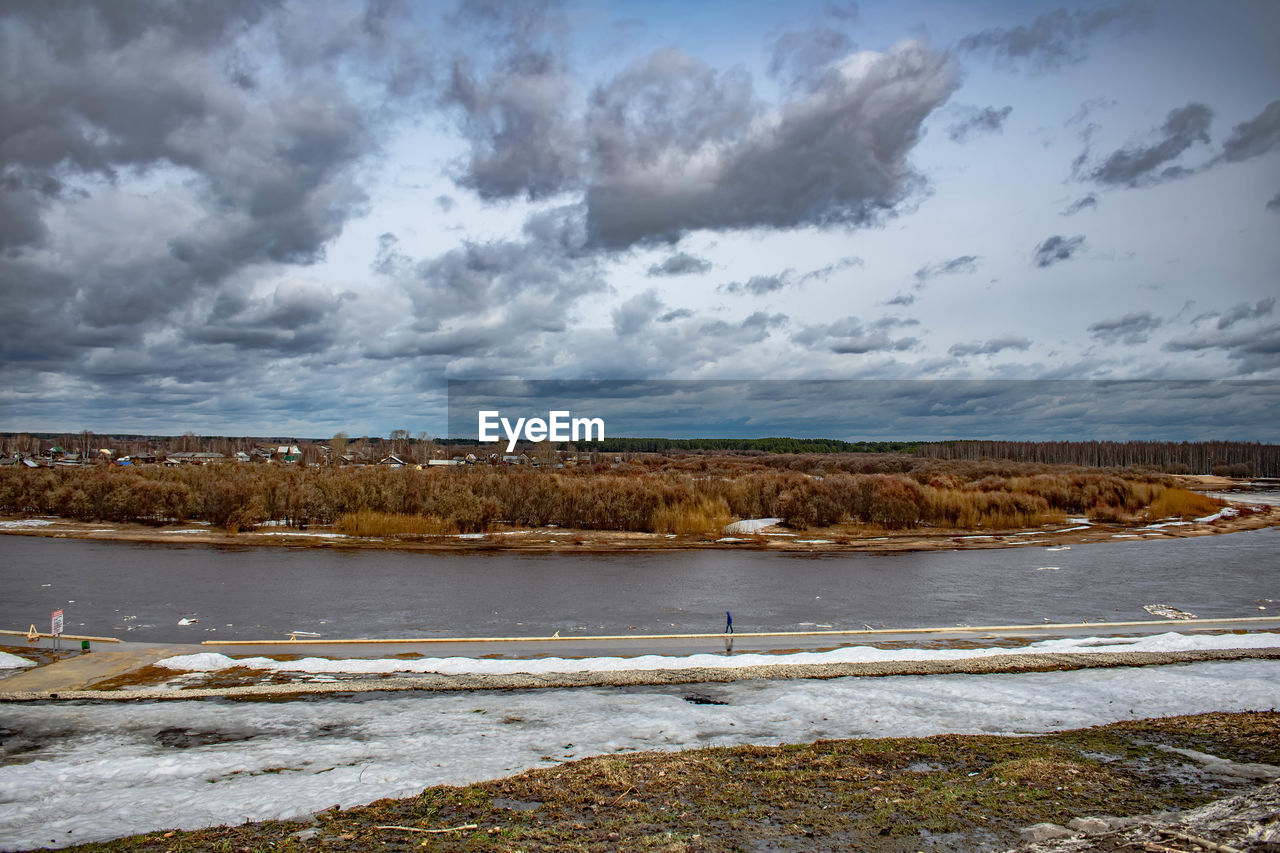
142,592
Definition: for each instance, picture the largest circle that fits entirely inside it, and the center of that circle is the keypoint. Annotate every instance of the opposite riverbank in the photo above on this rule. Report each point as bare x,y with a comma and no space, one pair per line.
843,538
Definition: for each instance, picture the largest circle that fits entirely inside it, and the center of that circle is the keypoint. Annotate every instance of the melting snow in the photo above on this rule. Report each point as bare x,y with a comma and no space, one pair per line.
751,525
1168,642
98,771
8,661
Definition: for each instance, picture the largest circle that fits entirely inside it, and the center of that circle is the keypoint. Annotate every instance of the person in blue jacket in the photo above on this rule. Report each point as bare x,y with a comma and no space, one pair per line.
728,622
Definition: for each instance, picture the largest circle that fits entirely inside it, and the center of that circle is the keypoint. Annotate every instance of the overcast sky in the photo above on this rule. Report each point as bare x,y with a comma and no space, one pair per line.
304,217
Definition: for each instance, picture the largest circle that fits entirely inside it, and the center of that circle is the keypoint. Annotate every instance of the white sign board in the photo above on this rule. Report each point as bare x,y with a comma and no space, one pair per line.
56,628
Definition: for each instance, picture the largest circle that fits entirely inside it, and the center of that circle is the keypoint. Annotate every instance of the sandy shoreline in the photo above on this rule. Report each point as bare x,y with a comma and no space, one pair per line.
596,541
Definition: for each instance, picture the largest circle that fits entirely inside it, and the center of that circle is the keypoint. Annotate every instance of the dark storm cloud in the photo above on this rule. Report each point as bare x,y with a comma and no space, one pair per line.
389,259
1057,248
824,273
1054,39
902,299
1256,351
681,263
1182,128
761,285
671,145
1255,137
991,347
975,121
495,298
259,175
515,108
1142,165
1088,202
676,146
850,337
636,313
798,58
956,266
1243,311
1130,329
295,320
757,285
894,409
753,329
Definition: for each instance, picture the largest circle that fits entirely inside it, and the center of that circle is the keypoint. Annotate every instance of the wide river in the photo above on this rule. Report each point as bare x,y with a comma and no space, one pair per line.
143,592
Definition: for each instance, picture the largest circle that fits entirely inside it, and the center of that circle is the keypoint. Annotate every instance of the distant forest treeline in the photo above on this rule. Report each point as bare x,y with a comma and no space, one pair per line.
762,445
1227,458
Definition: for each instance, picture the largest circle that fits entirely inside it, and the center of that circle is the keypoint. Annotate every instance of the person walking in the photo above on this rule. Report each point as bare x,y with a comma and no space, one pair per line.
728,622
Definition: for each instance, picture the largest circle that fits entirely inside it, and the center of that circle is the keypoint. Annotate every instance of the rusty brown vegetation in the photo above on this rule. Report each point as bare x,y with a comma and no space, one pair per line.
691,494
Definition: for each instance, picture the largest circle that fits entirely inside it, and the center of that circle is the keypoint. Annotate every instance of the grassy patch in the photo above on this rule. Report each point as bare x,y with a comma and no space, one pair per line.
369,523
893,794
1180,503
694,516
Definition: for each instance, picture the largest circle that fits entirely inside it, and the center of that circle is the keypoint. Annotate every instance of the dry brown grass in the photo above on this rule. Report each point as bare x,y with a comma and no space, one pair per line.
1180,503
692,517
368,523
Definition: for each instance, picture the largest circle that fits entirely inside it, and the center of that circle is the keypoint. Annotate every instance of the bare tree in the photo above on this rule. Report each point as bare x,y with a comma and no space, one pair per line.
337,448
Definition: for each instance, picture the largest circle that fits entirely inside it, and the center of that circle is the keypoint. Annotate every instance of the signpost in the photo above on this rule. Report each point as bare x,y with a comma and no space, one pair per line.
55,627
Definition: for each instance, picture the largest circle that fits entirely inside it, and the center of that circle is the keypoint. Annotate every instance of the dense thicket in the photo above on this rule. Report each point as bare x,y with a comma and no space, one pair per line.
678,495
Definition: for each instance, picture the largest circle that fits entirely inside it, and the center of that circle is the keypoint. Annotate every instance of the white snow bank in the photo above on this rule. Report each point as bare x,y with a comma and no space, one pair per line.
25,522
99,771
1168,642
8,661
1225,512
751,525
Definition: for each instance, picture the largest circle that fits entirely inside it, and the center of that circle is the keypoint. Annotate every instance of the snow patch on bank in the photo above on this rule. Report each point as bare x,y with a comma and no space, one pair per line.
751,525
1225,512
1168,642
8,661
